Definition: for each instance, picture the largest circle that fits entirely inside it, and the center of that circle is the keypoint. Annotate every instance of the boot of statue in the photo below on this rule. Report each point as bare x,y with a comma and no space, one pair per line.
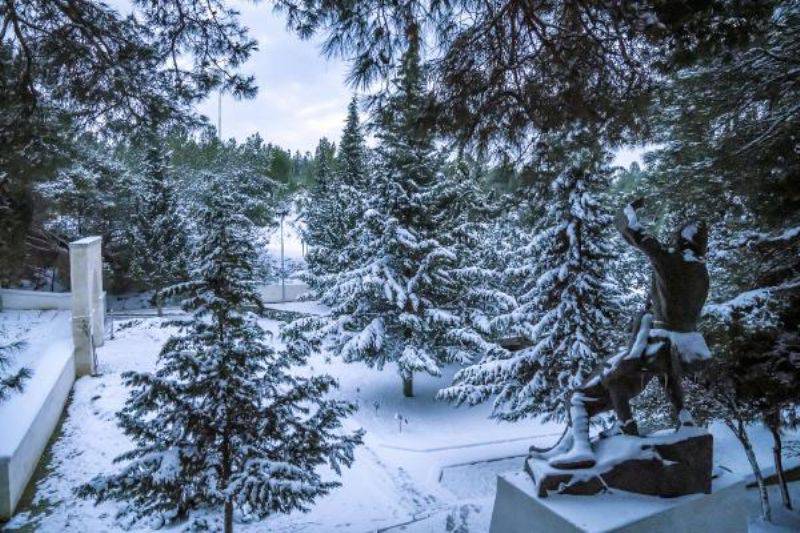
580,455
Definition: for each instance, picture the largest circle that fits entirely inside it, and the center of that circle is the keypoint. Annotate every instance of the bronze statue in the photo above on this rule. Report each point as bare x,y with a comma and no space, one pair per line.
664,341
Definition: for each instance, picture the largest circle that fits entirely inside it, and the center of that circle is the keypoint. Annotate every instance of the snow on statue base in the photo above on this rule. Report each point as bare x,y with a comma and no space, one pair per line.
518,509
666,464
661,482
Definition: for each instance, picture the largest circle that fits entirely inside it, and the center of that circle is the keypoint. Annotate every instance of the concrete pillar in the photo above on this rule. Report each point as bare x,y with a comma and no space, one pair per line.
99,300
88,302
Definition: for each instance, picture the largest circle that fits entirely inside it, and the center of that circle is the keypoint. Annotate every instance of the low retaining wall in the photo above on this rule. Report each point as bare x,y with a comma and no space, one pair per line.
30,418
22,299
271,294
60,352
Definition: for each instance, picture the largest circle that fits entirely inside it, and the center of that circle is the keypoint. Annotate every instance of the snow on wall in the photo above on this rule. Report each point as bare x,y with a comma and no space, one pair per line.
28,419
274,293
24,299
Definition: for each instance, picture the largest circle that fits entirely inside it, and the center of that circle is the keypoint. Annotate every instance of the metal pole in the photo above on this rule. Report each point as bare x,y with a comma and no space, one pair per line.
219,116
283,269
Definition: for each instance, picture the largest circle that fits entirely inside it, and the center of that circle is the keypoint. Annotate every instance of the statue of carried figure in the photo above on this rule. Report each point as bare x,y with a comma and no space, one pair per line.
664,341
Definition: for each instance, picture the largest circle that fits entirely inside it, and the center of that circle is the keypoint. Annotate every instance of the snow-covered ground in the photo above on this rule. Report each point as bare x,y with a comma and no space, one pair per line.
425,465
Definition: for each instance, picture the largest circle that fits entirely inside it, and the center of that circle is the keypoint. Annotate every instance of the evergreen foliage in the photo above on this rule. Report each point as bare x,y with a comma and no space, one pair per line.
223,423
100,62
68,69
157,232
335,203
564,310
322,210
352,156
400,301
504,71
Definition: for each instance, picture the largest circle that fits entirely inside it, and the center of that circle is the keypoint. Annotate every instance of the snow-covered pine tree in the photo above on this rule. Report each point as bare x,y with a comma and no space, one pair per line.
352,184
11,381
323,227
399,300
335,204
325,162
463,216
84,195
157,235
565,307
352,156
222,423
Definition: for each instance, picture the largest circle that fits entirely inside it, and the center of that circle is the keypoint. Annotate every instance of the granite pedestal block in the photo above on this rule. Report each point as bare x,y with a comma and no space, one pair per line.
519,509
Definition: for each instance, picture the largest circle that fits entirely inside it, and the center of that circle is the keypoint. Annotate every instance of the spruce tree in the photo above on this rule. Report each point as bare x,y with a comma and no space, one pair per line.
222,423
399,301
352,156
352,184
325,162
323,228
85,195
157,236
565,310
335,204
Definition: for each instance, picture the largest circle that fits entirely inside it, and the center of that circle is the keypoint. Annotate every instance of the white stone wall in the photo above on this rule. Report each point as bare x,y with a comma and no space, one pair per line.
274,293
22,299
35,414
43,400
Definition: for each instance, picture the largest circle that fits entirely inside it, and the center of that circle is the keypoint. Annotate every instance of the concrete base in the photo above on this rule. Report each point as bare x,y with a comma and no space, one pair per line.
518,509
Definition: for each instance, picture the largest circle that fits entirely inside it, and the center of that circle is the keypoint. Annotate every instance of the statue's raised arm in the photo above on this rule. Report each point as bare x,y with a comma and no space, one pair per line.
633,232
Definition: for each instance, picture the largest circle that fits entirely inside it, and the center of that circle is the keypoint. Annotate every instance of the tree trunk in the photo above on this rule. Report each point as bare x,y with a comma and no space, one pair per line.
228,516
226,474
408,385
777,451
741,434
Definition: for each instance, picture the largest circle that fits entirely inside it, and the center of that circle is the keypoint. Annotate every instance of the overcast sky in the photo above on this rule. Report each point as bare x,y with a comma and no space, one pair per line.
302,96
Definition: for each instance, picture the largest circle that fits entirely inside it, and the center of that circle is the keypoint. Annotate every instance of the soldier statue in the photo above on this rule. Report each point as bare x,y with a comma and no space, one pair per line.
664,341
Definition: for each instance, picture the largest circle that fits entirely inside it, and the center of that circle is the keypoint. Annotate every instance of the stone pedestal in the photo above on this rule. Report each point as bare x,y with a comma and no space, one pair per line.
519,509
88,302
667,464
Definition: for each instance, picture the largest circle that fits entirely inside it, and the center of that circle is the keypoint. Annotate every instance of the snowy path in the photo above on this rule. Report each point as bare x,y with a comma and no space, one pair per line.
434,473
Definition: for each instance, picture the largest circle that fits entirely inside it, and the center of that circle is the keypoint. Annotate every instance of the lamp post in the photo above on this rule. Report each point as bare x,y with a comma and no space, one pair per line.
219,116
283,212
